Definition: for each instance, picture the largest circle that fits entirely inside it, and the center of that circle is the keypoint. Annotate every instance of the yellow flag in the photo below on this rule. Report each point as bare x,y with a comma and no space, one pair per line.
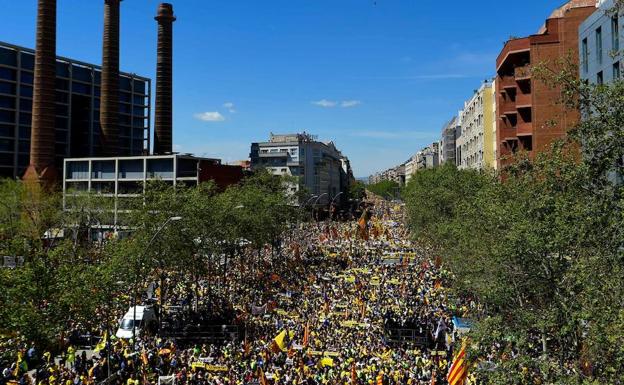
326,361
278,342
102,344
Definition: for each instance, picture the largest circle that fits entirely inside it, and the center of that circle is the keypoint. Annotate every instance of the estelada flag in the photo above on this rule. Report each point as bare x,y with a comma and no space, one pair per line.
279,343
353,374
363,221
459,370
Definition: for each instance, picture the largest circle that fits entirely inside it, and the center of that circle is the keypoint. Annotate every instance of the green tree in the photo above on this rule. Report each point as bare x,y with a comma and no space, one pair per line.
386,189
540,248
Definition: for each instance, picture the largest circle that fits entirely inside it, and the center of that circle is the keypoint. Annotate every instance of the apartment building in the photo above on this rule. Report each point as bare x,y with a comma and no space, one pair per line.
476,140
599,44
529,117
319,167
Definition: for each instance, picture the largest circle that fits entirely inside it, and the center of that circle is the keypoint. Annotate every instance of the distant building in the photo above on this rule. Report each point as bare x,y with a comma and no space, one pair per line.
448,142
494,127
529,117
476,140
395,174
428,157
411,166
319,167
77,98
123,179
599,44
245,164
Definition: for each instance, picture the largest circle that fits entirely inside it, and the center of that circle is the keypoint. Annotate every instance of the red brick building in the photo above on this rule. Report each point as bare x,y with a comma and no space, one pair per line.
530,116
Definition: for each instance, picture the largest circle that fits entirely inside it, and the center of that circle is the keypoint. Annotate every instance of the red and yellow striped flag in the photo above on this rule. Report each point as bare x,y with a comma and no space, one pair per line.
306,334
262,378
459,370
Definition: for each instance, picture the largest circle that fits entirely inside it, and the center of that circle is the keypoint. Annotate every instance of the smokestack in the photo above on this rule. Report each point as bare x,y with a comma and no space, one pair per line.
164,81
109,98
42,140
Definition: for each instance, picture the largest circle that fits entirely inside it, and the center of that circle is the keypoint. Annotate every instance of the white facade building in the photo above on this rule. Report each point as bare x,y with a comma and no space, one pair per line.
411,166
475,141
319,166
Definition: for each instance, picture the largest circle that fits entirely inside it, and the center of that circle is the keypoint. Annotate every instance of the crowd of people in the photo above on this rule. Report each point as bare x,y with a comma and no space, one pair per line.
340,303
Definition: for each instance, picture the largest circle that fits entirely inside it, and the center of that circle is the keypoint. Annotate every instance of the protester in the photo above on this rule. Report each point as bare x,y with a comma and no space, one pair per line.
342,303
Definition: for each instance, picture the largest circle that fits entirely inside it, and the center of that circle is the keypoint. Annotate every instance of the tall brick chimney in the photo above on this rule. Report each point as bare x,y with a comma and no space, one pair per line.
41,169
164,81
109,98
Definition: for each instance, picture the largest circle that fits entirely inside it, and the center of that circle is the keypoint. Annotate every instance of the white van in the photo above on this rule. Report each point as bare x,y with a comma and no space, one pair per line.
145,316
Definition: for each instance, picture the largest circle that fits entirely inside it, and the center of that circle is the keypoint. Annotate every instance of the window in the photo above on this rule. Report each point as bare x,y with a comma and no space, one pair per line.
616,70
82,74
80,88
28,61
139,86
7,116
8,57
585,55
26,91
125,84
27,77
599,78
7,130
7,102
8,74
615,33
6,145
599,45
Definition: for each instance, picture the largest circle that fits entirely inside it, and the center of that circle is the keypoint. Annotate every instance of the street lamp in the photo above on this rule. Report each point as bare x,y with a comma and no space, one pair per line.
307,202
303,206
136,285
317,200
333,200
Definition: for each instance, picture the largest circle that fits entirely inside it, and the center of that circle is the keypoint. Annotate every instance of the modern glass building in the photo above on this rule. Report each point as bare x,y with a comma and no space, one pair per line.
77,110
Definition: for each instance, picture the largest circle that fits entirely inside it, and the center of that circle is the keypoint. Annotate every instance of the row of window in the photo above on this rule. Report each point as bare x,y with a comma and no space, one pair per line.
62,120
139,101
598,38
8,57
616,73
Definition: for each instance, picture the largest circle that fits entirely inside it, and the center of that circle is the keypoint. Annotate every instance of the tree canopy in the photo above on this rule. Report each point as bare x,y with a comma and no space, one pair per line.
540,247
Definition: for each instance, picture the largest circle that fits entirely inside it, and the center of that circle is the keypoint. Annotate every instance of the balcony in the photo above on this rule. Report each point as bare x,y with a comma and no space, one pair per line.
514,51
507,107
523,73
507,133
274,155
524,129
508,83
524,100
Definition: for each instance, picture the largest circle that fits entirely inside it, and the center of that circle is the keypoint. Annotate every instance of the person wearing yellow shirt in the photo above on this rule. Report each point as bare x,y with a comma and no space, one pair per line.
132,380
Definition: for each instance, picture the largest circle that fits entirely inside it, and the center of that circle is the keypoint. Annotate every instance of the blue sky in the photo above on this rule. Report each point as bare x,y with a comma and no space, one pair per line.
378,77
